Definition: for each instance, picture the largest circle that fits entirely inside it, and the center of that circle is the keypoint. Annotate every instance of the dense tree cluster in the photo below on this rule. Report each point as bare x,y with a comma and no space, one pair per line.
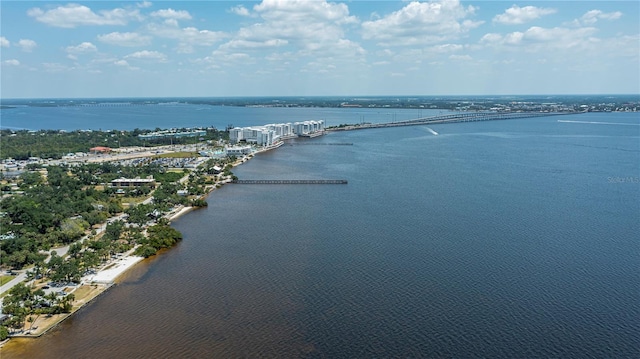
24,304
58,210
23,144
61,205
158,237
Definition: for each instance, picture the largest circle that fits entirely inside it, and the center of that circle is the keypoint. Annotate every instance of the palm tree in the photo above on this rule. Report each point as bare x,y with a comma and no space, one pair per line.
67,302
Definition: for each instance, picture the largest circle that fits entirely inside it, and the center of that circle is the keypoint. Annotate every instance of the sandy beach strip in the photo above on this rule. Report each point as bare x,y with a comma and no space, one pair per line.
180,212
113,271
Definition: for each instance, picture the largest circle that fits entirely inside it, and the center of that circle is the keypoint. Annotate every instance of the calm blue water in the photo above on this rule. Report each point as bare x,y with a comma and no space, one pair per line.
177,115
507,239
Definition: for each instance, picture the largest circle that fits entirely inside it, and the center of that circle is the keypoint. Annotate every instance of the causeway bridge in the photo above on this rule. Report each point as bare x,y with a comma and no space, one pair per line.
452,118
275,181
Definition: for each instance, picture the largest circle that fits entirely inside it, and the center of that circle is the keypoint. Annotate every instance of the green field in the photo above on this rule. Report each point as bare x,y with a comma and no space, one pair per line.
178,155
4,279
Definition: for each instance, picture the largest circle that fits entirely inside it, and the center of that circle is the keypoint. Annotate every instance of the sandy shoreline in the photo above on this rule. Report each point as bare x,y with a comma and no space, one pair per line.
182,211
113,271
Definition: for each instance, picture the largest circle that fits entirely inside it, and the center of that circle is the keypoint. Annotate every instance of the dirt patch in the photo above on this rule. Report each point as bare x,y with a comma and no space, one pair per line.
85,293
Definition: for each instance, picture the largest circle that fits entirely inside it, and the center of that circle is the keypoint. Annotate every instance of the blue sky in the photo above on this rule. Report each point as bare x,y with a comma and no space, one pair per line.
307,48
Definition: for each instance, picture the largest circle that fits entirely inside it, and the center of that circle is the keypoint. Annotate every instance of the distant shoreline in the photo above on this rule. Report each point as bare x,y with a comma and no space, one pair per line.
522,102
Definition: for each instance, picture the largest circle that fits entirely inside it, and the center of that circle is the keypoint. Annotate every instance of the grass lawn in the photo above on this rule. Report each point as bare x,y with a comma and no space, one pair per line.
177,155
127,200
4,279
85,292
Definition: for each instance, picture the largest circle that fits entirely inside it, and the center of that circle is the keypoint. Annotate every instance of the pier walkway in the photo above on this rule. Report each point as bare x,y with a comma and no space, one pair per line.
453,118
274,181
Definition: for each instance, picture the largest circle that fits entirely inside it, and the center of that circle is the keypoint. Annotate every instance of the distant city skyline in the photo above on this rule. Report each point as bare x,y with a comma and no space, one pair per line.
317,48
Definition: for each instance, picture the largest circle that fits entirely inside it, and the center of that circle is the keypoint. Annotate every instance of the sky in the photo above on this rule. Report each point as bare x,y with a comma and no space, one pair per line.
87,49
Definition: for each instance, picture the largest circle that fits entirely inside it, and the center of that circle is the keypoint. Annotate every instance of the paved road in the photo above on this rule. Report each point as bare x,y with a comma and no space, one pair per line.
61,251
21,277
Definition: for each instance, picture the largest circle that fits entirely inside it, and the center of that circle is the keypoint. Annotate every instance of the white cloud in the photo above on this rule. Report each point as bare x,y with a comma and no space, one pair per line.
124,63
460,57
247,44
445,48
299,28
26,45
187,37
422,23
83,48
516,15
144,4
592,16
4,42
11,62
342,48
626,46
219,58
171,23
72,15
301,10
129,39
172,14
240,10
537,39
55,67
148,55
319,67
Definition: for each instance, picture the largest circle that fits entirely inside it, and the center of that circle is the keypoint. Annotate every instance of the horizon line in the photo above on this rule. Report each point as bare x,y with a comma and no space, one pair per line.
314,96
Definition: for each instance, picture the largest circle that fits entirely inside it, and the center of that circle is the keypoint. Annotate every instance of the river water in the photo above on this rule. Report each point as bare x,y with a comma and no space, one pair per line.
513,238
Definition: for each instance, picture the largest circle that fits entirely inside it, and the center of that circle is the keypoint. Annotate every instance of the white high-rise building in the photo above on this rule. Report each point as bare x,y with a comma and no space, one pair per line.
308,127
270,134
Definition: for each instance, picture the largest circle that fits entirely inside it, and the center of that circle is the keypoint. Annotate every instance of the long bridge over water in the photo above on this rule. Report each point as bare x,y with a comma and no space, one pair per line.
276,181
452,118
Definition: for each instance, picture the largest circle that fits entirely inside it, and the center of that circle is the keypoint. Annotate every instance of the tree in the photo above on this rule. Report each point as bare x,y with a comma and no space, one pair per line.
31,179
14,305
4,333
159,236
66,303
72,229
139,214
113,231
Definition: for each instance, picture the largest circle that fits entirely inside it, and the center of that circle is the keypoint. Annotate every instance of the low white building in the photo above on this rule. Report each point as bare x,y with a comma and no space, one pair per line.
238,151
133,182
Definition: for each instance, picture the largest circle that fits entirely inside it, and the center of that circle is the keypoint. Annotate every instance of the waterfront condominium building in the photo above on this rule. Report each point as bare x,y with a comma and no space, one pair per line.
260,136
308,127
267,135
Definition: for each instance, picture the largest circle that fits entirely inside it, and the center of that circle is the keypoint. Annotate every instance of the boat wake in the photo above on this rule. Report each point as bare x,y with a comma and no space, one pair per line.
432,131
601,123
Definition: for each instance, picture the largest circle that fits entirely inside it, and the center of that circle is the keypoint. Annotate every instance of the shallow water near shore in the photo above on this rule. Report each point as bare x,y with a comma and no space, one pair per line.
498,239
